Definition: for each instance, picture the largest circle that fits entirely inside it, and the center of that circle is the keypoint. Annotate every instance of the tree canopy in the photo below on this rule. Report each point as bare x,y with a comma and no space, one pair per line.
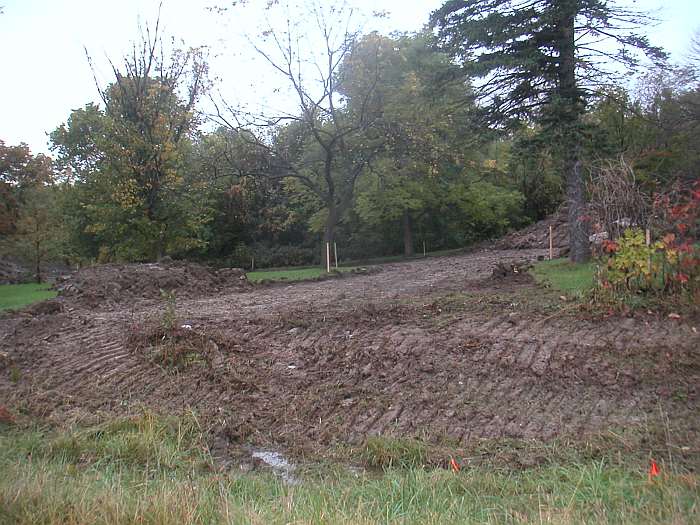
485,121
542,60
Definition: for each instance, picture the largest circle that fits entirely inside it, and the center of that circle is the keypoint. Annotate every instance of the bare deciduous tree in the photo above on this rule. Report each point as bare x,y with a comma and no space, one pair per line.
331,138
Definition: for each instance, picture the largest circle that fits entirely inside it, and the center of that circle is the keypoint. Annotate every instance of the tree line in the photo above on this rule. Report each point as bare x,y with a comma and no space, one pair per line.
487,120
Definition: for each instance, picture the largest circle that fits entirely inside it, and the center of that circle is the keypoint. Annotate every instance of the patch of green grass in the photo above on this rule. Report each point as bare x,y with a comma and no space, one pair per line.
19,295
141,441
564,276
292,274
151,470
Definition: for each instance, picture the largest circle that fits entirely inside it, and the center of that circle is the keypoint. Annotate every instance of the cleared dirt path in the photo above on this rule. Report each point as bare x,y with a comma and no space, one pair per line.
429,348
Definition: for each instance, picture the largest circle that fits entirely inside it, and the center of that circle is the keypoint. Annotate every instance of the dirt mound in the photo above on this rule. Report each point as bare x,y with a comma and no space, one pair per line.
117,283
48,307
537,235
516,271
13,273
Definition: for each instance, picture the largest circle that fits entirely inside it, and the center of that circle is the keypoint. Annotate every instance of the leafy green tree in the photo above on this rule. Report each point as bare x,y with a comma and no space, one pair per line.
531,165
20,171
136,197
667,143
250,213
653,128
541,60
420,97
39,235
30,225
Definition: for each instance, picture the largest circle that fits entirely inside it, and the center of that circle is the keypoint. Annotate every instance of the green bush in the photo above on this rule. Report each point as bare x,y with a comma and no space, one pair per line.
662,268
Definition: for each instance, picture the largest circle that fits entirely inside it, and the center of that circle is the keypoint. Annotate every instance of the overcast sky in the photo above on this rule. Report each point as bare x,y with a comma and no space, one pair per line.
46,75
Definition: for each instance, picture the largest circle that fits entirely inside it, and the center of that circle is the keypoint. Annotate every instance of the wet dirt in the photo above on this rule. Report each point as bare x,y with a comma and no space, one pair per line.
435,349
121,283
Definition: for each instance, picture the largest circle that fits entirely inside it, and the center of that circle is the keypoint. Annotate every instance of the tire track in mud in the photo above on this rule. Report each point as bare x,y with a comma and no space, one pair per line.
521,386
365,371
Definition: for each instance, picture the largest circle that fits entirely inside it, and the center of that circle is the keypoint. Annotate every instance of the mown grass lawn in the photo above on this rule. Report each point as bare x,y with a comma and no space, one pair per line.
19,295
152,470
292,274
565,277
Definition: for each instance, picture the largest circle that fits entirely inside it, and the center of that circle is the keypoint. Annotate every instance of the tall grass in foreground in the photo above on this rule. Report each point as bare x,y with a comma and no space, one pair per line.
150,470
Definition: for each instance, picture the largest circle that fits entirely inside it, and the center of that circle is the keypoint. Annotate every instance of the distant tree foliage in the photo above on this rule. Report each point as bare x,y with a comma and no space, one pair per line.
20,171
328,143
129,157
541,61
484,122
31,226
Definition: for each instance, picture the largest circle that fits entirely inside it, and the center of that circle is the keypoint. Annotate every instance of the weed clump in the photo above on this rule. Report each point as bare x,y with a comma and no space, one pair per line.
386,452
167,342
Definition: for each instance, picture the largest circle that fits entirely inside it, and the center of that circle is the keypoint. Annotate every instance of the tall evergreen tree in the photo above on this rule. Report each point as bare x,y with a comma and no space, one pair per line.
542,61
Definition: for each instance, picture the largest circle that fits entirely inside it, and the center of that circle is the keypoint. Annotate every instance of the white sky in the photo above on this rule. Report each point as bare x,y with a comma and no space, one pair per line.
45,73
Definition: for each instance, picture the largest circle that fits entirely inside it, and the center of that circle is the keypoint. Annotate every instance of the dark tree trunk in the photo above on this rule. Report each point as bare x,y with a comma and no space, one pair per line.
407,234
37,264
329,234
568,120
578,224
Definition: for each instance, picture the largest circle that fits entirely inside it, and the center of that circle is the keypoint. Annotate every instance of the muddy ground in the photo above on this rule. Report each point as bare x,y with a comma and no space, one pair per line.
436,349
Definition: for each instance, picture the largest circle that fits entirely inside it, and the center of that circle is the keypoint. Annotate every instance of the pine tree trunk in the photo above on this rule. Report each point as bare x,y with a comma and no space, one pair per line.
569,116
579,248
407,234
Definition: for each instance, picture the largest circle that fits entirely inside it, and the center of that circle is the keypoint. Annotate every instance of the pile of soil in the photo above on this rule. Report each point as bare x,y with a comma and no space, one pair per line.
516,271
537,235
117,283
13,273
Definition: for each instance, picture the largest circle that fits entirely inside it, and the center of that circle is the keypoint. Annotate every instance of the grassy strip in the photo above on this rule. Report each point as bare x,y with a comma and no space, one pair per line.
291,274
18,295
150,470
564,276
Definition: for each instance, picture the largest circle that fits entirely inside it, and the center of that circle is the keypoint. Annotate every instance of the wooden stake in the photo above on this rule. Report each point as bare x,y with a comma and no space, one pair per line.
335,253
551,243
328,257
423,248
252,263
648,239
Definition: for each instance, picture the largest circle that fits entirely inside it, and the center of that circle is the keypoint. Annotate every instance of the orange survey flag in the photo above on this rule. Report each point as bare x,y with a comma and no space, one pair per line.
653,470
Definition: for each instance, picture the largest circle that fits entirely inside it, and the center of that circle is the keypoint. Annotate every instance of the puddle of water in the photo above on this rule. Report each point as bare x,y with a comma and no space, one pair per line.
279,465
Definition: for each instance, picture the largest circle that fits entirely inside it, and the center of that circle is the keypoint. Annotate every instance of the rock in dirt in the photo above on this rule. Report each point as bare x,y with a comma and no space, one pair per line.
6,416
5,360
506,271
118,283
